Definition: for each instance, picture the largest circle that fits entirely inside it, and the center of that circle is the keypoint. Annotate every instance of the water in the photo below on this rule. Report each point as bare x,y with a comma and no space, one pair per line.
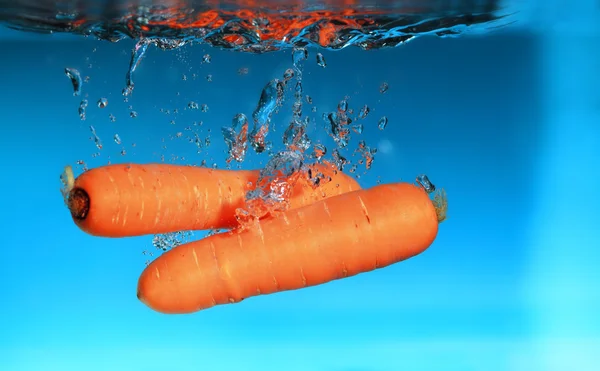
494,103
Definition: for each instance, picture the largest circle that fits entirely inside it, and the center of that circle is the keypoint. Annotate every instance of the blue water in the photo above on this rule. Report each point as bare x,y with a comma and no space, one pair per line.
506,123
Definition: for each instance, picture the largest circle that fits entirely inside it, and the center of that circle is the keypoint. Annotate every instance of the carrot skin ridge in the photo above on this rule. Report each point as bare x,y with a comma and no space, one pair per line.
125,200
337,237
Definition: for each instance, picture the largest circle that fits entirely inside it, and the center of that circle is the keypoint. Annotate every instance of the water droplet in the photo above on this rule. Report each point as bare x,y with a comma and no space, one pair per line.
339,160
209,78
295,137
96,138
75,78
358,128
243,71
319,151
297,108
309,99
193,105
424,182
102,102
133,114
206,58
338,128
382,123
299,54
236,138
82,107
384,87
367,153
364,112
204,108
298,90
321,60
112,118
288,74
343,106
117,139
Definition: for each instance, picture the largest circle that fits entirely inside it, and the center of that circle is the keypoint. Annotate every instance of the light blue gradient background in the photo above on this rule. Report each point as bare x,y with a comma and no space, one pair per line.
508,124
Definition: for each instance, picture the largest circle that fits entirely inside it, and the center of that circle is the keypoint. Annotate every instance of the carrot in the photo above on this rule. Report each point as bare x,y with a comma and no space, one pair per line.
131,199
338,237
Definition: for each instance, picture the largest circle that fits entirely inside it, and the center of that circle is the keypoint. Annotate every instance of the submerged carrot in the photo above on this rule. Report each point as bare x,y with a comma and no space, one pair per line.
330,239
133,199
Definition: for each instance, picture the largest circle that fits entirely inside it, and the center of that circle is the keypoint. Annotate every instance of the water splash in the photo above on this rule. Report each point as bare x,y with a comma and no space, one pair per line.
256,26
236,138
136,56
273,187
271,98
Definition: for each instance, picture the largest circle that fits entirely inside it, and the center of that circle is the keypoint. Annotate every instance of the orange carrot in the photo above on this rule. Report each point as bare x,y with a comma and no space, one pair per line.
340,236
132,199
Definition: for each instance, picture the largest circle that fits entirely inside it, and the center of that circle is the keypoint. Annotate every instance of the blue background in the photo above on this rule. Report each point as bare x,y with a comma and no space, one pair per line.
507,123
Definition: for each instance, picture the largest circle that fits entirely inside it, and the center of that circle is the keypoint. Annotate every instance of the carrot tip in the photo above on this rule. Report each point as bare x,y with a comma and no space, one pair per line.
79,203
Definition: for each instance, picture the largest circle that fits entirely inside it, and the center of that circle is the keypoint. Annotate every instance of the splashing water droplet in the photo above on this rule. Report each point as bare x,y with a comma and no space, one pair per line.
384,87
298,90
338,128
236,138
274,186
112,118
206,58
168,241
102,103
209,78
297,109
382,123
299,54
204,108
193,105
243,71
95,137
364,112
321,60
424,182
133,114
295,137
309,99
358,128
271,98
136,56
75,78
343,106
288,74
82,107
339,160
367,153
319,150
117,139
